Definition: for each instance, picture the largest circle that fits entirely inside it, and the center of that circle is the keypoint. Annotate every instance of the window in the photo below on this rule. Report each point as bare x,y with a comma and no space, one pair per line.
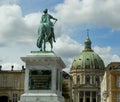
94,94
4,81
15,83
97,79
88,79
118,97
14,96
81,93
118,81
78,79
87,93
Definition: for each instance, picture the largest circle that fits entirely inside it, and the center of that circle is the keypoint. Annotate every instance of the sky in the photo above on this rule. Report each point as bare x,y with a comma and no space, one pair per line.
20,19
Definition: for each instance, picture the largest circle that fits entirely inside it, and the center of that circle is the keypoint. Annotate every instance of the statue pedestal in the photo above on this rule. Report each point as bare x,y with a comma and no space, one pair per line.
43,78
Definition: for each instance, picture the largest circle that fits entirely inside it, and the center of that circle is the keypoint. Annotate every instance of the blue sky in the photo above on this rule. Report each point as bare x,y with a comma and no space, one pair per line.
19,21
29,6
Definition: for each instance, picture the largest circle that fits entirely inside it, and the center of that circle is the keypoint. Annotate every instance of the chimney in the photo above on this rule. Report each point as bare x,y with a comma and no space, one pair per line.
0,67
23,68
12,68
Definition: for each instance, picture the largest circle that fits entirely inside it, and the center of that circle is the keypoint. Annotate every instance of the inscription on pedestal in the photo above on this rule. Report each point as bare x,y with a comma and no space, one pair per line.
40,79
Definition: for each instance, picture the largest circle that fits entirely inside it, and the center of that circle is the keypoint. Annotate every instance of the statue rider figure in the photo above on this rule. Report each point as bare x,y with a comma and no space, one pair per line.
46,19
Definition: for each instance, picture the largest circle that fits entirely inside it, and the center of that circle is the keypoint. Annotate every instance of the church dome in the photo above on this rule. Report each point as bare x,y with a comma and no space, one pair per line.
87,59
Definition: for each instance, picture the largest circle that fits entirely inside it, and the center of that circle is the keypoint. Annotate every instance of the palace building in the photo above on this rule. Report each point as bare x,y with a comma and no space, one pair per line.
110,86
11,84
87,72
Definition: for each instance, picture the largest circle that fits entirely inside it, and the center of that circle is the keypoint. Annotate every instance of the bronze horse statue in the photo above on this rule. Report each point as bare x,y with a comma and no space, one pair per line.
45,35
46,31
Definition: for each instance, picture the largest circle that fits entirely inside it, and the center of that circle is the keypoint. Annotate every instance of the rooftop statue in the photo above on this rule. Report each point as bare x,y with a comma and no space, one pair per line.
46,31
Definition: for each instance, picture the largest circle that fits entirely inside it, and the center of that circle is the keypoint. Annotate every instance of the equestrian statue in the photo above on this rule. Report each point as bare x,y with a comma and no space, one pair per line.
46,31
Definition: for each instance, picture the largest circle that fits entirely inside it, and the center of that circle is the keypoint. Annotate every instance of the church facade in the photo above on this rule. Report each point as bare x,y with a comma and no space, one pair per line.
87,72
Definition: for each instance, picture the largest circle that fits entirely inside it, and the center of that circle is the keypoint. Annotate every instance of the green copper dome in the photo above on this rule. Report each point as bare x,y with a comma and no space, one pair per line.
88,59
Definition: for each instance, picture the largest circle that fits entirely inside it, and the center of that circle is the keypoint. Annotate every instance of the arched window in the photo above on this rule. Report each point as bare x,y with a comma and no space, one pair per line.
97,79
87,79
78,79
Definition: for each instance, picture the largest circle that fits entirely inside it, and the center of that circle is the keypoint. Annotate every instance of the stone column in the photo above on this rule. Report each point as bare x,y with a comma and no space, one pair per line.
84,97
75,95
90,96
78,96
96,98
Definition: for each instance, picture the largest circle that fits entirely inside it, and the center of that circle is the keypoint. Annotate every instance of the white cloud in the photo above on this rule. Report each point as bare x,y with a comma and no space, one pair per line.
33,19
14,27
6,2
99,12
67,49
106,54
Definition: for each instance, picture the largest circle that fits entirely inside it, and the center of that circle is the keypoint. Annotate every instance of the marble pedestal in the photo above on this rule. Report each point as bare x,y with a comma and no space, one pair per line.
43,77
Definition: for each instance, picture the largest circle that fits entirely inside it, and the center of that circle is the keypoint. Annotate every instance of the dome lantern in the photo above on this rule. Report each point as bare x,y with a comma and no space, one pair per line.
87,43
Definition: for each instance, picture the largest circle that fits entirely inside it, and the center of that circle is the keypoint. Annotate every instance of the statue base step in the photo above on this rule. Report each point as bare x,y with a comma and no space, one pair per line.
40,97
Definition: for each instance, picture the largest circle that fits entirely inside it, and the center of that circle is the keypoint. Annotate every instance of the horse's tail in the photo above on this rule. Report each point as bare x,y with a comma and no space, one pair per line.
39,42
41,36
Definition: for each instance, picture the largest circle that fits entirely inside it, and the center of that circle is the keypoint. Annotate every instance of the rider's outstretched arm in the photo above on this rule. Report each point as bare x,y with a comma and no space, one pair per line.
53,17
